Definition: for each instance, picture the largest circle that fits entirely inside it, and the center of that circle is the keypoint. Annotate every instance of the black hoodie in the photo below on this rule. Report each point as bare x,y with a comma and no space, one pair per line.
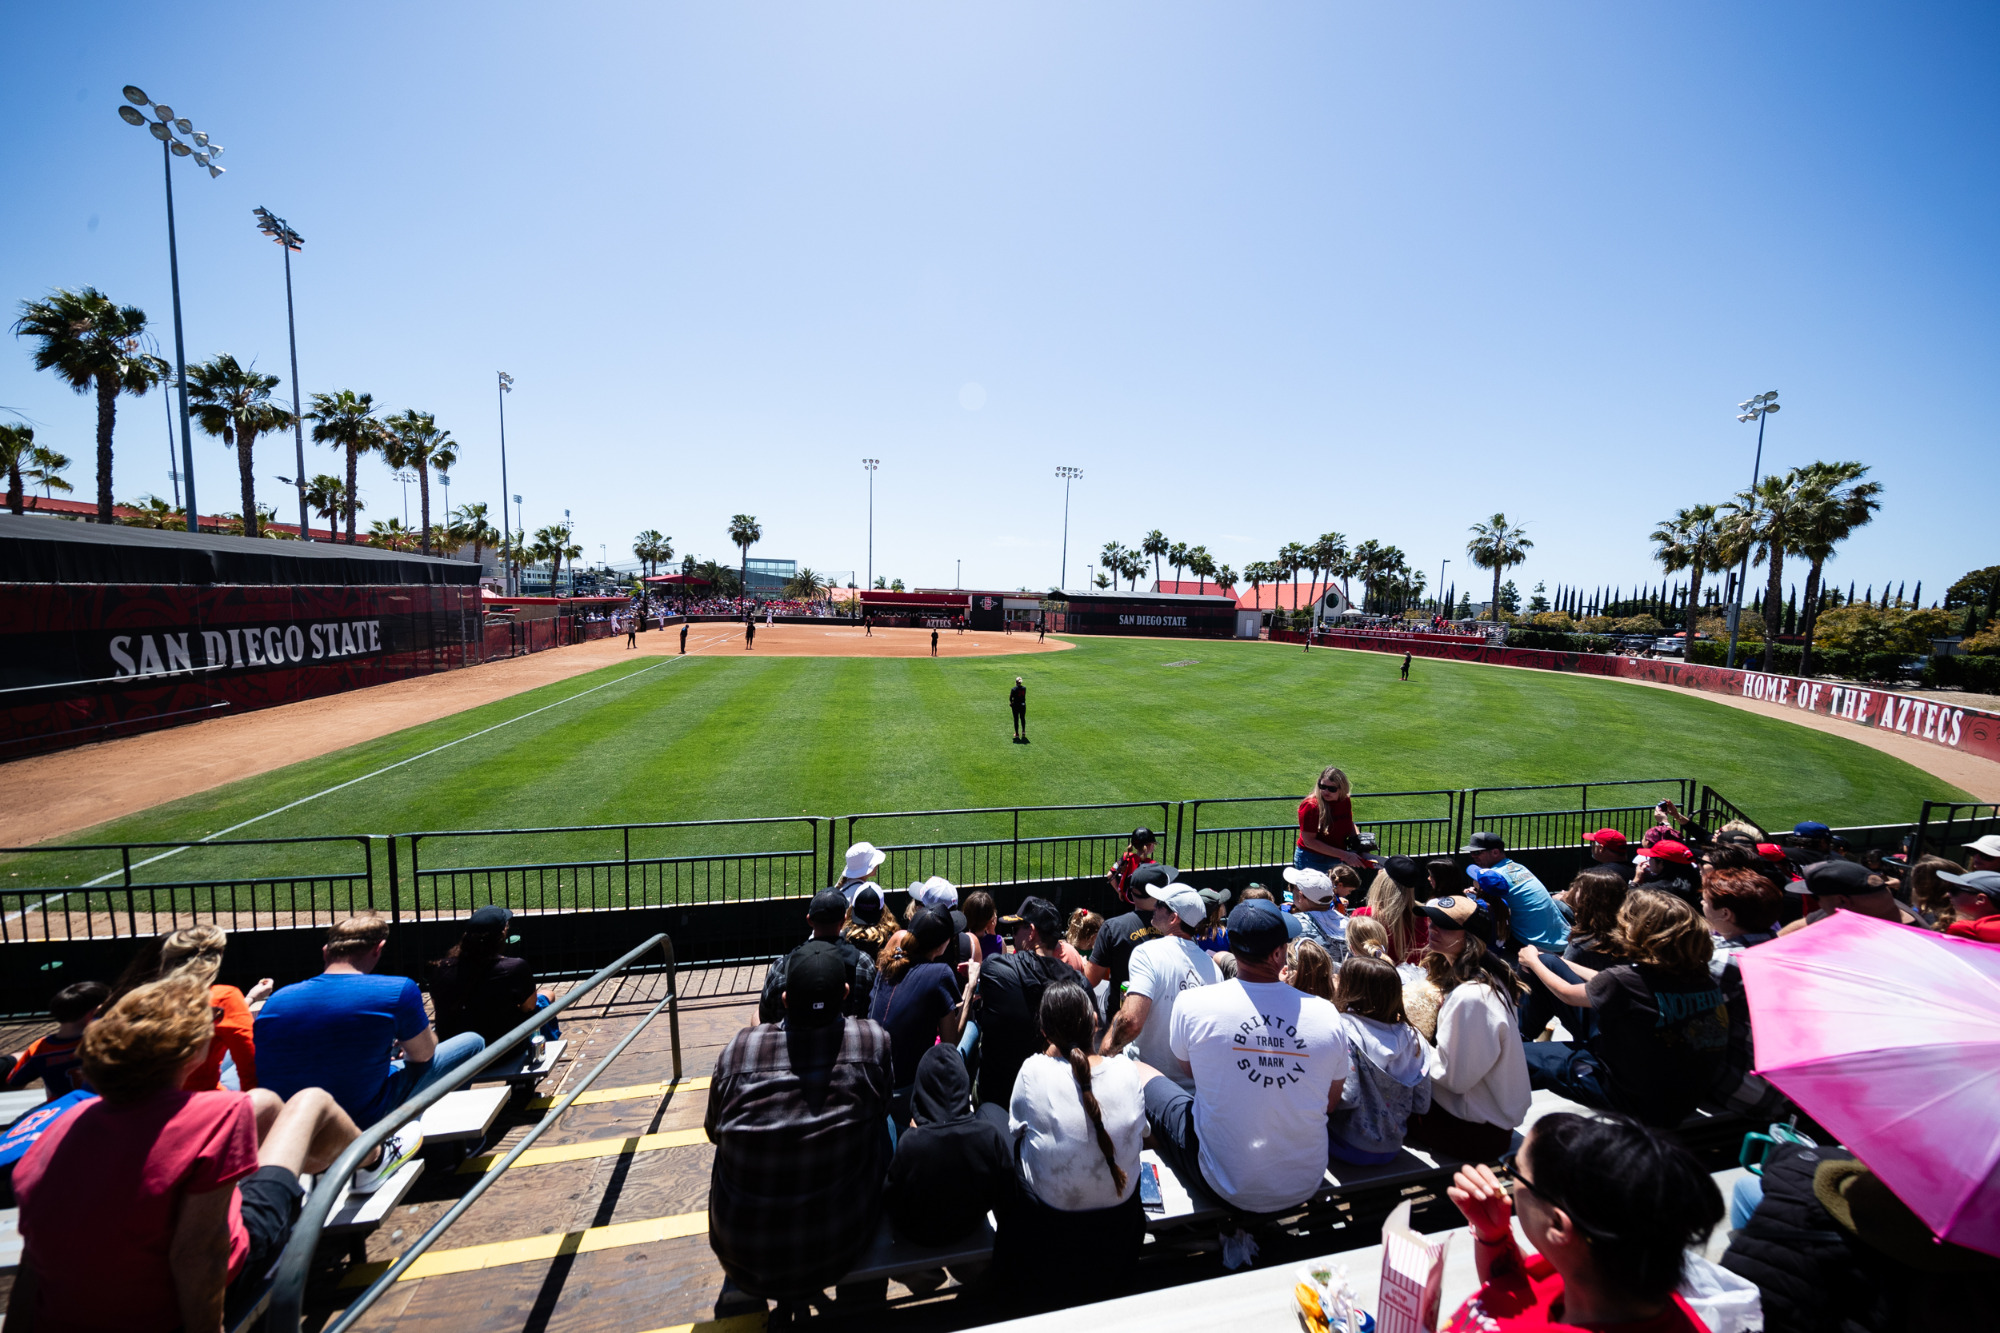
952,1167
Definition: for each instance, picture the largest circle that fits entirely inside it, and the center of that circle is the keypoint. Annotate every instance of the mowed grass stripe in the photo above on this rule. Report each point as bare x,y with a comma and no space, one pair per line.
502,1253
739,737
578,1152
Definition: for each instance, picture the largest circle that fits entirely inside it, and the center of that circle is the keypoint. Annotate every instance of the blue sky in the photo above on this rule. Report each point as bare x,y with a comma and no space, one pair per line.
1261,271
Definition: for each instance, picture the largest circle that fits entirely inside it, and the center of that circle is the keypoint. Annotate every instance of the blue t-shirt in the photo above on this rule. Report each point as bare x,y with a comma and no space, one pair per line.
1532,915
910,1009
336,1032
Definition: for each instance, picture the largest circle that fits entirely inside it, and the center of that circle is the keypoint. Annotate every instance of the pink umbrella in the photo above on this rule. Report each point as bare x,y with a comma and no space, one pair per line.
1890,1037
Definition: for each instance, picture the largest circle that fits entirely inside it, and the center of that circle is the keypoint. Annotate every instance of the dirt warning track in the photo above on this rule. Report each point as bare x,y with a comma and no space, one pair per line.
54,795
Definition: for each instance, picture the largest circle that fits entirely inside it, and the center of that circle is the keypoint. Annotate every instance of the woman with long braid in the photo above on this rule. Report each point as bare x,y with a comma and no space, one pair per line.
1076,1120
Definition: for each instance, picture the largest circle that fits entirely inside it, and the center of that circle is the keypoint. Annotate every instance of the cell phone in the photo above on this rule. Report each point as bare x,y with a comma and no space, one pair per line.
1149,1189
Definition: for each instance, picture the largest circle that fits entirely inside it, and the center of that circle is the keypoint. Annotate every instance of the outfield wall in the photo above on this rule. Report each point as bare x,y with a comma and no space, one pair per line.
1968,730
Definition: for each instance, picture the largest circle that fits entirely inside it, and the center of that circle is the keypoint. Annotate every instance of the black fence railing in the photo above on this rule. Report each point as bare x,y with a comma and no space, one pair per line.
1945,827
1404,823
610,865
108,891
1559,814
1000,845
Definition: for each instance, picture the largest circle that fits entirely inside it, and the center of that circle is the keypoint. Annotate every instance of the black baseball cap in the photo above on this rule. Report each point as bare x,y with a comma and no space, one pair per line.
867,906
490,918
1842,878
1483,841
1406,872
1461,911
1142,835
1044,917
1256,928
814,985
827,905
1151,875
928,929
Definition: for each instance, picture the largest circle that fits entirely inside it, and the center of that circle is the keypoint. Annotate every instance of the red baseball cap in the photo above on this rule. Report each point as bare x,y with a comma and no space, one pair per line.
1604,835
1770,851
1668,850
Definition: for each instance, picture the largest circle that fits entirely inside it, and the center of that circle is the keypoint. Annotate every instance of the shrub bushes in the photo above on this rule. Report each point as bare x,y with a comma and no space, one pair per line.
1785,661
1981,674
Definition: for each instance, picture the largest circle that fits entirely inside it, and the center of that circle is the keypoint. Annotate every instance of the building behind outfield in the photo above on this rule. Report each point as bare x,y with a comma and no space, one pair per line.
106,631
1152,614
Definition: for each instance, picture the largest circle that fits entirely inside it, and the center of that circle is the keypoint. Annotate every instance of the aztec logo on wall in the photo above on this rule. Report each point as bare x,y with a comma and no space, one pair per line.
185,651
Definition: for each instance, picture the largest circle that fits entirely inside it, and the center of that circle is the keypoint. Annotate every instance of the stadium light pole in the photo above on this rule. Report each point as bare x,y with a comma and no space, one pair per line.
1751,409
871,464
203,153
1067,475
288,240
506,387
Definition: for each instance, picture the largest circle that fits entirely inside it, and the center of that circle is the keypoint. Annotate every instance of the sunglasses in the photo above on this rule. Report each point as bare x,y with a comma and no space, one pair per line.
1512,1181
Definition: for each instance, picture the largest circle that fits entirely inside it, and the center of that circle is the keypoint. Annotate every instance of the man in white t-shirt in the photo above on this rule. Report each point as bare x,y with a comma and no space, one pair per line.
1268,1061
1160,970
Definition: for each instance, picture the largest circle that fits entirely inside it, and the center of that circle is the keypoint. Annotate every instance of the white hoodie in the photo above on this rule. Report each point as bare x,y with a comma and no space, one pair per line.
1485,1077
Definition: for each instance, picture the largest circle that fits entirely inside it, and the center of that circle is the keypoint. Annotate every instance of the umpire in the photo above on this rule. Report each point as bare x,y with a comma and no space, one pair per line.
1017,699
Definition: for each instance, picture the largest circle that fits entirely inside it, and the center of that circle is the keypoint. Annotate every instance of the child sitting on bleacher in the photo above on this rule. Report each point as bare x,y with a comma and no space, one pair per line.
53,1059
1392,1066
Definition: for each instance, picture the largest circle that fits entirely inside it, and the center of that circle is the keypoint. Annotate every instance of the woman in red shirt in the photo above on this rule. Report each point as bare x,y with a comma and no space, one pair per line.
1610,1207
1326,822
1138,852
1392,900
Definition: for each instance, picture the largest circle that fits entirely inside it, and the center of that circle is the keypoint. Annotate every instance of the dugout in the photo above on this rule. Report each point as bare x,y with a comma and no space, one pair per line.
937,609
108,630
1154,614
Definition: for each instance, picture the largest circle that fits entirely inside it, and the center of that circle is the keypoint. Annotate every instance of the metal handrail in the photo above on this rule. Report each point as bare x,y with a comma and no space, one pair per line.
287,1302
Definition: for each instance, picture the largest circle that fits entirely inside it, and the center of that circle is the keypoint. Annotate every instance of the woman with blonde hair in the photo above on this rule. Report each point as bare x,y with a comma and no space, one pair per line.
1660,1019
1421,996
1930,894
196,951
1392,900
1326,823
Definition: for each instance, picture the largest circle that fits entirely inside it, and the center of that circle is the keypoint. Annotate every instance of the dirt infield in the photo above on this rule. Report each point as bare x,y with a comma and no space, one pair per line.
54,795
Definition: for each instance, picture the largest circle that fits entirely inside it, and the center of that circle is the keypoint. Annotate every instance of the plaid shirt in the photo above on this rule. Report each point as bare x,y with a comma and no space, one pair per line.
799,1120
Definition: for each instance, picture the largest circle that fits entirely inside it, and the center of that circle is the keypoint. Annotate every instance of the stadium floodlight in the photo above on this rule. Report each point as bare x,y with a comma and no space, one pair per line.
288,240
507,568
171,147
1755,409
871,464
1066,475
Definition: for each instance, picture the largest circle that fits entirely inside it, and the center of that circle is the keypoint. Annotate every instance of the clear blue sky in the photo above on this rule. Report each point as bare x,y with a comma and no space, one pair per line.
1261,271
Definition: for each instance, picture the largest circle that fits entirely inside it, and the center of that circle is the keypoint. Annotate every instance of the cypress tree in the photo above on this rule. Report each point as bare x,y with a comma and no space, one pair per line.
1918,600
1792,611
1870,598
1899,593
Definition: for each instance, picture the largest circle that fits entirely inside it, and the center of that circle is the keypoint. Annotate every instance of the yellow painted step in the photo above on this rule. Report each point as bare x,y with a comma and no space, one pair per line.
626,1093
499,1254
577,1152
736,1323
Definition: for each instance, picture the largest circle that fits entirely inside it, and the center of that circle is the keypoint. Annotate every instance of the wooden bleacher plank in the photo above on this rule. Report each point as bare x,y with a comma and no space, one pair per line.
499,1254
596,1095
358,1214
529,1075
466,1114
575,1152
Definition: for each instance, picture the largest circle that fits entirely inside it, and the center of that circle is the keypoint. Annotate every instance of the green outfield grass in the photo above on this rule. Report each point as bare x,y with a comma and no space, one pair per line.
1112,720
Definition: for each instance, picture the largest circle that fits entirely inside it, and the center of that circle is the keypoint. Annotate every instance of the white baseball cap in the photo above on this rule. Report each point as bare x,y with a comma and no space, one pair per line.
1986,846
1315,886
936,893
1185,902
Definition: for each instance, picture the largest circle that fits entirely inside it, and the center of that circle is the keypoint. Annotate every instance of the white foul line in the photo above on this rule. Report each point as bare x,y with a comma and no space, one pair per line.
175,851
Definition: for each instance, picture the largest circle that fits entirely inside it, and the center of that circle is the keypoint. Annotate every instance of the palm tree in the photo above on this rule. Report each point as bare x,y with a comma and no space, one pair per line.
233,402
346,420
554,545
1112,557
470,525
152,512
1200,563
414,440
1258,573
806,585
1690,540
512,551
1368,559
1132,565
744,533
1155,545
1329,553
652,549
29,464
1292,559
1225,579
390,534
90,342
325,495
1177,556
1498,545
1766,521
1833,502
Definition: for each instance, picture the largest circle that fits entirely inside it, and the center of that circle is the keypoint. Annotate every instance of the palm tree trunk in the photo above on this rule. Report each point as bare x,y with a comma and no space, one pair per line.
1773,608
1809,616
14,502
246,477
1495,608
353,461
424,502
1694,597
107,417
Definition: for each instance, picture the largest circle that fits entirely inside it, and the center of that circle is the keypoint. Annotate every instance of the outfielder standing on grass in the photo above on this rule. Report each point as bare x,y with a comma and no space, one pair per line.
1406,664
1017,699
749,634
934,643
684,639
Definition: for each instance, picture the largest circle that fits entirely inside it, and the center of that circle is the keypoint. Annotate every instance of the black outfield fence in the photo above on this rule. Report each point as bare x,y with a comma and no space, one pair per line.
1000,845
1945,827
